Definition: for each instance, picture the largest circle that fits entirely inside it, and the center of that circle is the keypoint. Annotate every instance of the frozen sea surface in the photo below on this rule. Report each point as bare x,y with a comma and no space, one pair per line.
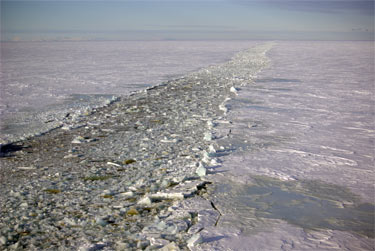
44,81
291,160
300,175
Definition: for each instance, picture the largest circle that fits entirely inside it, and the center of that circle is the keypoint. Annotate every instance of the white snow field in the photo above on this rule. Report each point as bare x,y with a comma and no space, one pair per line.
290,162
43,81
300,170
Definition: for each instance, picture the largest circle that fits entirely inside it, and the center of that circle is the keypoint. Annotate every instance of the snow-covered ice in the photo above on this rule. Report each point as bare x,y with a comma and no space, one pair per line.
289,164
300,173
43,82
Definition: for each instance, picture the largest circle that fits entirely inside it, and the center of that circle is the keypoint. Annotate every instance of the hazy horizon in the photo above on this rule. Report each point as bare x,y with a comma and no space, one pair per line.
187,20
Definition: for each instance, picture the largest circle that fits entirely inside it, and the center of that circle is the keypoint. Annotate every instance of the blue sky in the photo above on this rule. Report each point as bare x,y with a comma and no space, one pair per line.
177,19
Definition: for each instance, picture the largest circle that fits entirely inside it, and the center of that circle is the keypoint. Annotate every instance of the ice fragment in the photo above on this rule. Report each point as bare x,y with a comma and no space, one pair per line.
201,170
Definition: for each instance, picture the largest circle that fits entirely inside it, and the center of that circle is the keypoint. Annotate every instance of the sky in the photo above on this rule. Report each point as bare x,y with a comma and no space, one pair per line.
187,20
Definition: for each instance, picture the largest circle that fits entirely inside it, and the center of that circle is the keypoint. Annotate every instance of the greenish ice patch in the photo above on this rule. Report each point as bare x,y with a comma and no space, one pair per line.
312,205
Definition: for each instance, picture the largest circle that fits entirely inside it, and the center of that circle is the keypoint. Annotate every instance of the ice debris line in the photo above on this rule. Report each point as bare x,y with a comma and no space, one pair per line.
114,178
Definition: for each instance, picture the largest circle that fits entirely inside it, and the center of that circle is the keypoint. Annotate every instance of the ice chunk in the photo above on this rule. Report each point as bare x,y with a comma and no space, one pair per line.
201,170
234,90
194,240
145,201
207,136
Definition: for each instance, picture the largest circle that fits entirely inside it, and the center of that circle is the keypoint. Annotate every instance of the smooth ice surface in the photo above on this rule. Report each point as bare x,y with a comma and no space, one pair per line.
35,74
42,76
309,117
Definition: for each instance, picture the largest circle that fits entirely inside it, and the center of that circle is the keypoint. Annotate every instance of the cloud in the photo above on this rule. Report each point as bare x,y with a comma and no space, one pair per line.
193,27
119,1
363,7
